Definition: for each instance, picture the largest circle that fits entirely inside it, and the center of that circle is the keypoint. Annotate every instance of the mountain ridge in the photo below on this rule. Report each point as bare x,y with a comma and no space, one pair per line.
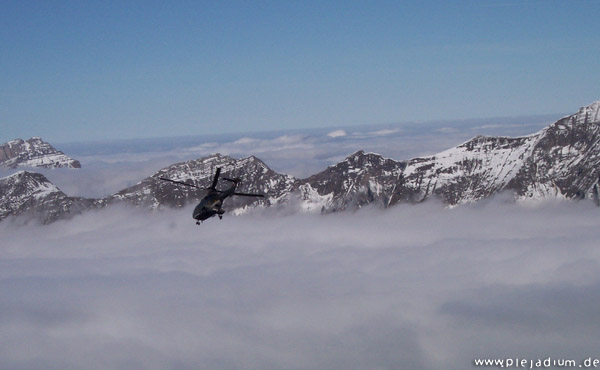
561,160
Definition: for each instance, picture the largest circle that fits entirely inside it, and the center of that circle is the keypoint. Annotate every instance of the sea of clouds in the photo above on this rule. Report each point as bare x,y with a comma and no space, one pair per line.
411,287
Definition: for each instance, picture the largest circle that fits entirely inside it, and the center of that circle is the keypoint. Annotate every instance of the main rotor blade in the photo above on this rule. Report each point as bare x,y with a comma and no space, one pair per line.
216,178
237,179
249,195
181,183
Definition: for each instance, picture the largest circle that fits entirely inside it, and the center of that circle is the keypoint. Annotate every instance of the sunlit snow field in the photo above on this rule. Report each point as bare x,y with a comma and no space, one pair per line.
410,287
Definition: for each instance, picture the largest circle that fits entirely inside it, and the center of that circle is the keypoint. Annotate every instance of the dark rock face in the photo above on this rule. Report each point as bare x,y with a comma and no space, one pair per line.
565,160
360,179
31,194
34,152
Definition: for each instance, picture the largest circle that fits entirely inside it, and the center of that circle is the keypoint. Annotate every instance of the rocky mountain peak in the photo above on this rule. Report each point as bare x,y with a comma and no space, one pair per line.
565,160
30,183
33,194
34,152
364,160
588,114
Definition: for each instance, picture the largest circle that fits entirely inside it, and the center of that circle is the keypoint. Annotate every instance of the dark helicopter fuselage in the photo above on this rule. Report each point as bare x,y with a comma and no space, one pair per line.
212,203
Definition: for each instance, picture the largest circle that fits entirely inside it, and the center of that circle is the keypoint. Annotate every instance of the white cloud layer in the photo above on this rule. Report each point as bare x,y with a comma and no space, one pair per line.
412,287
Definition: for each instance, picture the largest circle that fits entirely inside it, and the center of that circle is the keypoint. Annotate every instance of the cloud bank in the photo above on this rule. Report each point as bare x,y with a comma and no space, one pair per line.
412,287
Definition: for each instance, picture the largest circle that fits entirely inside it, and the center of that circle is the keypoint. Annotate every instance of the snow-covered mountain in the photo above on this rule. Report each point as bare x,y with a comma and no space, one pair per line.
360,179
33,194
33,152
565,159
560,161
256,176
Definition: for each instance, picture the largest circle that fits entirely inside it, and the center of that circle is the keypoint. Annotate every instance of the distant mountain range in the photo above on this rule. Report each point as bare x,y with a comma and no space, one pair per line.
34,152
560,161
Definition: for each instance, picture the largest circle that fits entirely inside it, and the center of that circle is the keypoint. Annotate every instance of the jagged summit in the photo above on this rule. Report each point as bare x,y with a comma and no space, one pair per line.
33,194
36,183
17,174
588,114
34,152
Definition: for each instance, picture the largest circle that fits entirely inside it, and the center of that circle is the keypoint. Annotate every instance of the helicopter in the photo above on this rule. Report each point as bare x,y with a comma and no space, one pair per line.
212,203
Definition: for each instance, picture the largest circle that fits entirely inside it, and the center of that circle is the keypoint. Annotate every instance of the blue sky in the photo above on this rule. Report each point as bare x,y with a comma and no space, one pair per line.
78,71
